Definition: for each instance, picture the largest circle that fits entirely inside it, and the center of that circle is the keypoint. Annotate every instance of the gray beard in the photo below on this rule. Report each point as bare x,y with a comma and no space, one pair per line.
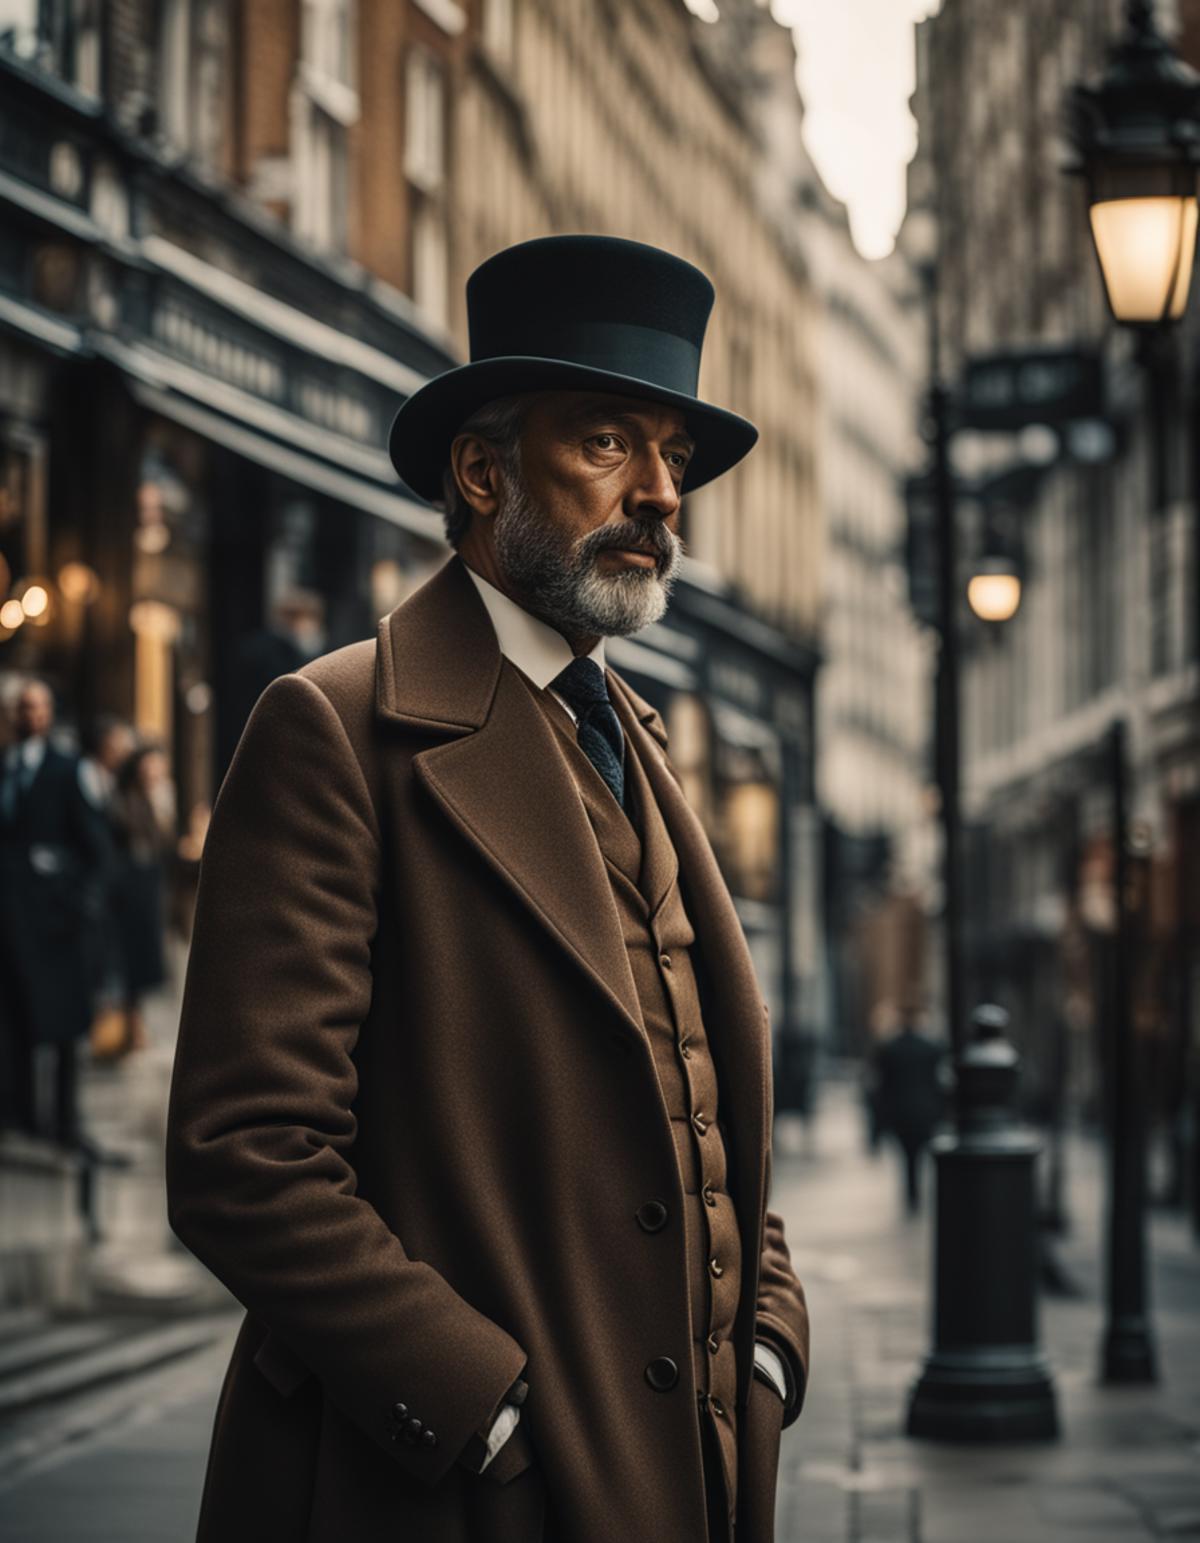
559,579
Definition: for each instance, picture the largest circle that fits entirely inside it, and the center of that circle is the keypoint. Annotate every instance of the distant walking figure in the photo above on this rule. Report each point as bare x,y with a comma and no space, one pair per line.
911,1099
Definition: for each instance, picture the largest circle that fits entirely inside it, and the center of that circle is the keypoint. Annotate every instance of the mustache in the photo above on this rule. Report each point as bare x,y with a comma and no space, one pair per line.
649,535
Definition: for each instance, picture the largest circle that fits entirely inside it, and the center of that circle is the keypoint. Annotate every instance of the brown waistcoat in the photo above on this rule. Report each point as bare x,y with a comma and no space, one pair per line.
643,871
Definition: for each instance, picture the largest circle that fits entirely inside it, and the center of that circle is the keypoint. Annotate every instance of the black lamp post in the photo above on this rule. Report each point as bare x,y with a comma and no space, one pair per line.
1136,133
985,1378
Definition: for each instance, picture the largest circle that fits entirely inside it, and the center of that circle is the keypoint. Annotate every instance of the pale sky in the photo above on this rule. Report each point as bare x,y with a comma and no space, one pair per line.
856,75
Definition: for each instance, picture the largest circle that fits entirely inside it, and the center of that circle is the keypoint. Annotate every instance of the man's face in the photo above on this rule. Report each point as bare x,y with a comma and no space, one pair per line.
588,535
35,712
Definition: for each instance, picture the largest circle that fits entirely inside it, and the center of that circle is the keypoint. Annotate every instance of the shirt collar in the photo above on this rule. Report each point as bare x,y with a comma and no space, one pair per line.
538,649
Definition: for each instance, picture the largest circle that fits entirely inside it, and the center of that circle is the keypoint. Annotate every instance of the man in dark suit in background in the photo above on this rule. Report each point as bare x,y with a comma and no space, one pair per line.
52,849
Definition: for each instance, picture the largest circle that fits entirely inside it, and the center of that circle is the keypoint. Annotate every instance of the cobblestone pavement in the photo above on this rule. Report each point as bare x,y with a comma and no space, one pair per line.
1127,1464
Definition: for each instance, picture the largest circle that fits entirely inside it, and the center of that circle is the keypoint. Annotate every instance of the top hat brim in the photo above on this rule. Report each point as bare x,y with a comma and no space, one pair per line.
425,426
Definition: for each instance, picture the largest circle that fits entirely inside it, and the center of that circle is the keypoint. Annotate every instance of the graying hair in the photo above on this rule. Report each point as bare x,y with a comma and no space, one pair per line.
499,422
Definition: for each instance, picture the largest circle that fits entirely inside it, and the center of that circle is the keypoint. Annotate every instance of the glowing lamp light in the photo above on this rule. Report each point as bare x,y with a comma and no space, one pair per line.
1147,249
35,601
994,589
11,614
154,619
78,583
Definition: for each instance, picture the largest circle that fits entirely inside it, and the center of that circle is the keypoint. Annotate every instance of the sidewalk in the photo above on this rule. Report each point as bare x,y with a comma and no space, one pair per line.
1126,1468
1126,1465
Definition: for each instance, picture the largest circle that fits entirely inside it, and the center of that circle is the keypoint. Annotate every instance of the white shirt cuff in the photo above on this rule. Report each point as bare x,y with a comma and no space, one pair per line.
771,1362
502,1428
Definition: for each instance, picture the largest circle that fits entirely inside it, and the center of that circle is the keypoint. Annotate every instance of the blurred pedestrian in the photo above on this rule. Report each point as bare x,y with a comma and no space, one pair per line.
143,813
294,634
911,1099
107,743
52,847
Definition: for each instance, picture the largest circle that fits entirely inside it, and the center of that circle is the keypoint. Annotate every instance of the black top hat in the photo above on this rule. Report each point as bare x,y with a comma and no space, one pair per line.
575,313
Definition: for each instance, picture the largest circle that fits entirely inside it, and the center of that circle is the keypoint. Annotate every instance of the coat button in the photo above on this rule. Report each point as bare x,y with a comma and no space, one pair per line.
699,1123
717,1269
413,1428
709,1197
428,1438
716,1406
399,1411
662,1373
652,1215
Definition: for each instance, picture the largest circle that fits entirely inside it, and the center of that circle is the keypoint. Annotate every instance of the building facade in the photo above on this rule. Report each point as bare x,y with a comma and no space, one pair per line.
874,689
235,238
1107,626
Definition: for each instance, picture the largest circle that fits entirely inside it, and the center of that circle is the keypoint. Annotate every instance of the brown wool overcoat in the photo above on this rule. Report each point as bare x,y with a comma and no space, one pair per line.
413,1115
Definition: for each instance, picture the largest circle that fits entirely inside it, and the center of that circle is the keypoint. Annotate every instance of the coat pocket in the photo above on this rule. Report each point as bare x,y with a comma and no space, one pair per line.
282,1368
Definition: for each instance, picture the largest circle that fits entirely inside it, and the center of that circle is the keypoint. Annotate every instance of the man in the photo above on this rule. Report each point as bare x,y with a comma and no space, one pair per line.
52,852
911,1097
294,634
472,1101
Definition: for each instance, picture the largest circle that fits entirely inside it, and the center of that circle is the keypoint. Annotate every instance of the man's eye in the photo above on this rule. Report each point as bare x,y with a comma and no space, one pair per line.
606,441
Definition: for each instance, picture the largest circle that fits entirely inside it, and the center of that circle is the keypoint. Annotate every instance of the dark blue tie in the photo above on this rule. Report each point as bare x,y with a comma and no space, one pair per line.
601,739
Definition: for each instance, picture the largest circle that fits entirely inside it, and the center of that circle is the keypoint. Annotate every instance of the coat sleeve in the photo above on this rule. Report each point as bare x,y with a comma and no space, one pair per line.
781,1319
260,1186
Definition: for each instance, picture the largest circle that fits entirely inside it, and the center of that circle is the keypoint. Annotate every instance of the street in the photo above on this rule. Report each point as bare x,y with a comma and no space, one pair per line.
1125,1469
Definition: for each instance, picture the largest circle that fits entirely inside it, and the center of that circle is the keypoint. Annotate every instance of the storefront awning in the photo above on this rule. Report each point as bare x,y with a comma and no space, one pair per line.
294,464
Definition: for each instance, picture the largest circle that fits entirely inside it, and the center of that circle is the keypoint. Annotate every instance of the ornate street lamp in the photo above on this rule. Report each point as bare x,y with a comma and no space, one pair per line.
1137,136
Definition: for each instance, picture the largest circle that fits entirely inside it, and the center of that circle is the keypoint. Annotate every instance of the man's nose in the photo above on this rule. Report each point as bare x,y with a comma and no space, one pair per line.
656,489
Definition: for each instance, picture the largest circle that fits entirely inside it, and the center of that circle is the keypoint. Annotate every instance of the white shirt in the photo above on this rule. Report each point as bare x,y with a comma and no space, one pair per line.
543,653
537,648
29,751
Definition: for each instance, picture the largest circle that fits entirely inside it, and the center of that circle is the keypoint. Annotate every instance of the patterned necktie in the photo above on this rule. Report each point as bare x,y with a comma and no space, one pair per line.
601,738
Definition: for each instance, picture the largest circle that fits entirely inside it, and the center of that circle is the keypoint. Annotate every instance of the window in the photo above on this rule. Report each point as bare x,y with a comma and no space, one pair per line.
498,28
325,104
63,37
192,69
430,289
425,122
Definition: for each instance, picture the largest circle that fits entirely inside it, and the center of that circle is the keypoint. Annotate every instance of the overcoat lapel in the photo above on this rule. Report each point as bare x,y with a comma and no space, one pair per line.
501,780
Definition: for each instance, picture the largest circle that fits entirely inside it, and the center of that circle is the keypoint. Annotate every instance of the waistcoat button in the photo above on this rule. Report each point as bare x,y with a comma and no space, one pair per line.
651,1216
717,1269
699,1122
714,1344
709,1197
662,1373
665,960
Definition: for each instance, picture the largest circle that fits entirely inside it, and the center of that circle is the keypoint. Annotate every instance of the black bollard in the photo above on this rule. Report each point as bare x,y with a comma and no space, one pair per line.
986,1379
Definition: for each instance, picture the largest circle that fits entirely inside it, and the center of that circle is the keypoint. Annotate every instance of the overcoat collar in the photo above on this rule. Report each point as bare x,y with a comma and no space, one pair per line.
438,663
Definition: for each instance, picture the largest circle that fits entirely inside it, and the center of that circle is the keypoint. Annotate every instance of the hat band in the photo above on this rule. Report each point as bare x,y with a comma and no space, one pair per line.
661,358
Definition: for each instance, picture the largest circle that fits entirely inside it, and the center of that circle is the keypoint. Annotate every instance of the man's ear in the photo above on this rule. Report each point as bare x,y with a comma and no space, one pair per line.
475,467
